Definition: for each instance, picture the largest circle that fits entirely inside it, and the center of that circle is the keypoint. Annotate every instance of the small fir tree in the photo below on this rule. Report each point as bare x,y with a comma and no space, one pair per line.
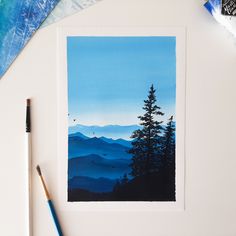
125,179
168,149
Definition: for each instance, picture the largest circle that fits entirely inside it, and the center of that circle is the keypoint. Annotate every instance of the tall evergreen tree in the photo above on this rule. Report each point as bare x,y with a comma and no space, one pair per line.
146,144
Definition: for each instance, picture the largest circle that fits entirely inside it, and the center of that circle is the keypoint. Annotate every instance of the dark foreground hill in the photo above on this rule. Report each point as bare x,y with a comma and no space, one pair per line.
154,187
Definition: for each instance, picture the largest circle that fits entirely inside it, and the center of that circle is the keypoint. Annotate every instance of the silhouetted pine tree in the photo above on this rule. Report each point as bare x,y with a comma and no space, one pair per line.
125,179
146,144
168,160
137,150
116,186
168,149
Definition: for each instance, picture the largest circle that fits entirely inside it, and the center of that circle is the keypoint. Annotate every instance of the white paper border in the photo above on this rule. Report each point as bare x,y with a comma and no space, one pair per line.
180,34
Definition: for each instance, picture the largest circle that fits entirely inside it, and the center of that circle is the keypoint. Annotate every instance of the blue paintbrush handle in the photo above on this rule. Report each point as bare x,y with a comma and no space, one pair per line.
54,215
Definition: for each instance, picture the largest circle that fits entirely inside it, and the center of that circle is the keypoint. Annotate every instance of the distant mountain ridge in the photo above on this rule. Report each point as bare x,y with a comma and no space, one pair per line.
108,140
78,134
118,141
80,146
108,131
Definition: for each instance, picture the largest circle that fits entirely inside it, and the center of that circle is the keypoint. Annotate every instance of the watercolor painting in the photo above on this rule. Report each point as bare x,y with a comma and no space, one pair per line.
20,19
121,118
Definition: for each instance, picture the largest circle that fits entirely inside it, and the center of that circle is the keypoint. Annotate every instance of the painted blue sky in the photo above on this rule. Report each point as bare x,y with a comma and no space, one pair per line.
109,77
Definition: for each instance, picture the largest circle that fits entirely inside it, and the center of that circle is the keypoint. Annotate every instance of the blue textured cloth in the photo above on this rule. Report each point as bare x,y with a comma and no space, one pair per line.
212,5
19,19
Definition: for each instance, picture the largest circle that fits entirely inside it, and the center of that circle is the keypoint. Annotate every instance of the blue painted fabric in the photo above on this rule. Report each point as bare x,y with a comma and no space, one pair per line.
19,19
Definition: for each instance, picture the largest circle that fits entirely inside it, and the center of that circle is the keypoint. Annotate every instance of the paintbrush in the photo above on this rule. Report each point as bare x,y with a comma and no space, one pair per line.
29,164
50,204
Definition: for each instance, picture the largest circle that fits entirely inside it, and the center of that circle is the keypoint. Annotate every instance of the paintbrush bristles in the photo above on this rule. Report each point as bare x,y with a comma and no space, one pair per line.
39,170
28,102
43,183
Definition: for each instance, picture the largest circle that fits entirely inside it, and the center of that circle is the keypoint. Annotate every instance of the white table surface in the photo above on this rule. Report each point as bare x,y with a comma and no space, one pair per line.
210,127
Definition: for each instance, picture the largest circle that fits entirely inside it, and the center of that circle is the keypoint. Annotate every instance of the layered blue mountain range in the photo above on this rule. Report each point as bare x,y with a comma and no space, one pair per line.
95,164
108,131
79,146
120,141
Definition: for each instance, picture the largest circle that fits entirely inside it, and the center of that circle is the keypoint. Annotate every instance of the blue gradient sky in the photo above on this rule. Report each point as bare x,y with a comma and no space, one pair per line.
109,77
